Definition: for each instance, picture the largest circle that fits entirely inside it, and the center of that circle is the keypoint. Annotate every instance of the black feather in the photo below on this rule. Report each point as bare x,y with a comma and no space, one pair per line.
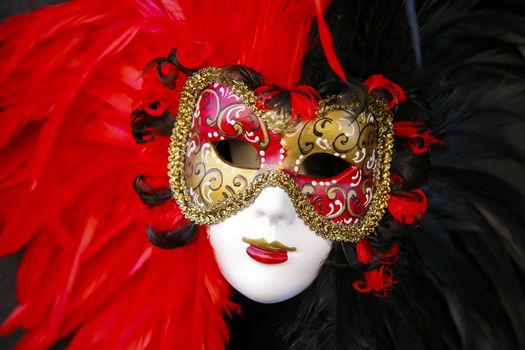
171,239
462,273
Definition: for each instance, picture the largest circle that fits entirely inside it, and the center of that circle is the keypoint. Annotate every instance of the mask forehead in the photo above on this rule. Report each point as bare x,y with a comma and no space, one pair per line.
341,133
209,189
225,116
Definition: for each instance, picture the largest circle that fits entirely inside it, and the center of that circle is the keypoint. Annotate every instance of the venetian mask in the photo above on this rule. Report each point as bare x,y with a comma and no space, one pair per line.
277,191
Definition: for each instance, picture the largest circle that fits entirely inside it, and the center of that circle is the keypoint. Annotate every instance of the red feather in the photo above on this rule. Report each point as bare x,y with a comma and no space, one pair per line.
379,82
69,76
408,207
381,279
419,142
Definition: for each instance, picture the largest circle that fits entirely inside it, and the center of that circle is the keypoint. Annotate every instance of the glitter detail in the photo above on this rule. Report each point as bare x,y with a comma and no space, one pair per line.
219,211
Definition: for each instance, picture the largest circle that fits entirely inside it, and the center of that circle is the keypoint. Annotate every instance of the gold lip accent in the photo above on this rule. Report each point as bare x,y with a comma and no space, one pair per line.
262,243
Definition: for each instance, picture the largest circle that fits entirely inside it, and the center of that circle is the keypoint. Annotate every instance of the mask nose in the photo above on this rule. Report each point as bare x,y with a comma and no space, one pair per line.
273,203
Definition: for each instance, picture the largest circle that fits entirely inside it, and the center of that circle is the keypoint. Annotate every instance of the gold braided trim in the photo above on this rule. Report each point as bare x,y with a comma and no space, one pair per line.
228,207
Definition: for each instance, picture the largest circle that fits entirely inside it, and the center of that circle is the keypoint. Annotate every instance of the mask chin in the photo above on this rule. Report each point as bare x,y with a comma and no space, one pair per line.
266,252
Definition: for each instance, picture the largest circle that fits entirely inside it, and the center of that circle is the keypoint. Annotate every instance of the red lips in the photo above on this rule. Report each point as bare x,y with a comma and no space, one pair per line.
266,256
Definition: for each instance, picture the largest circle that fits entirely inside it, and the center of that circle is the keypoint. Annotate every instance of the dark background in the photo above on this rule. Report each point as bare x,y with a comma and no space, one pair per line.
13,7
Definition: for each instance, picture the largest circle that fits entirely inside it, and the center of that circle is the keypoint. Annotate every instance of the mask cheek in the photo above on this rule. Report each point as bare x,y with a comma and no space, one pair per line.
272,217
344,198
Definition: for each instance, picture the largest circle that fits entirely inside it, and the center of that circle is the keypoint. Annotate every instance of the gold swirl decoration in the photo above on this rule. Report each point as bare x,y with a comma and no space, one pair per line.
218,211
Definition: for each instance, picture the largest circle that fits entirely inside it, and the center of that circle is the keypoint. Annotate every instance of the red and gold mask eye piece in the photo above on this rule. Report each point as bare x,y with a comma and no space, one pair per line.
225,150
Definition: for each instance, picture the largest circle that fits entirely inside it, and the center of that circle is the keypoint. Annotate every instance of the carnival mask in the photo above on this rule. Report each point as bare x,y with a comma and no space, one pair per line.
236,164
226,149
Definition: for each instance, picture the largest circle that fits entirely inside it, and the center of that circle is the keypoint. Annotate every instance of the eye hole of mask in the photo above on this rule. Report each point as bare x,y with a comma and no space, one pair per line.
238,153
323,165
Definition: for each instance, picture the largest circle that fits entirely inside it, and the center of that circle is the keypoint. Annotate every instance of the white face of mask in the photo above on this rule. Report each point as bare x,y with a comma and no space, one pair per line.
266,251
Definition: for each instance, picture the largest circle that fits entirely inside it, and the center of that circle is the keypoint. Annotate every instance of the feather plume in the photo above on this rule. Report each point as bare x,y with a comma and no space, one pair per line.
69,161
70,75
460,275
